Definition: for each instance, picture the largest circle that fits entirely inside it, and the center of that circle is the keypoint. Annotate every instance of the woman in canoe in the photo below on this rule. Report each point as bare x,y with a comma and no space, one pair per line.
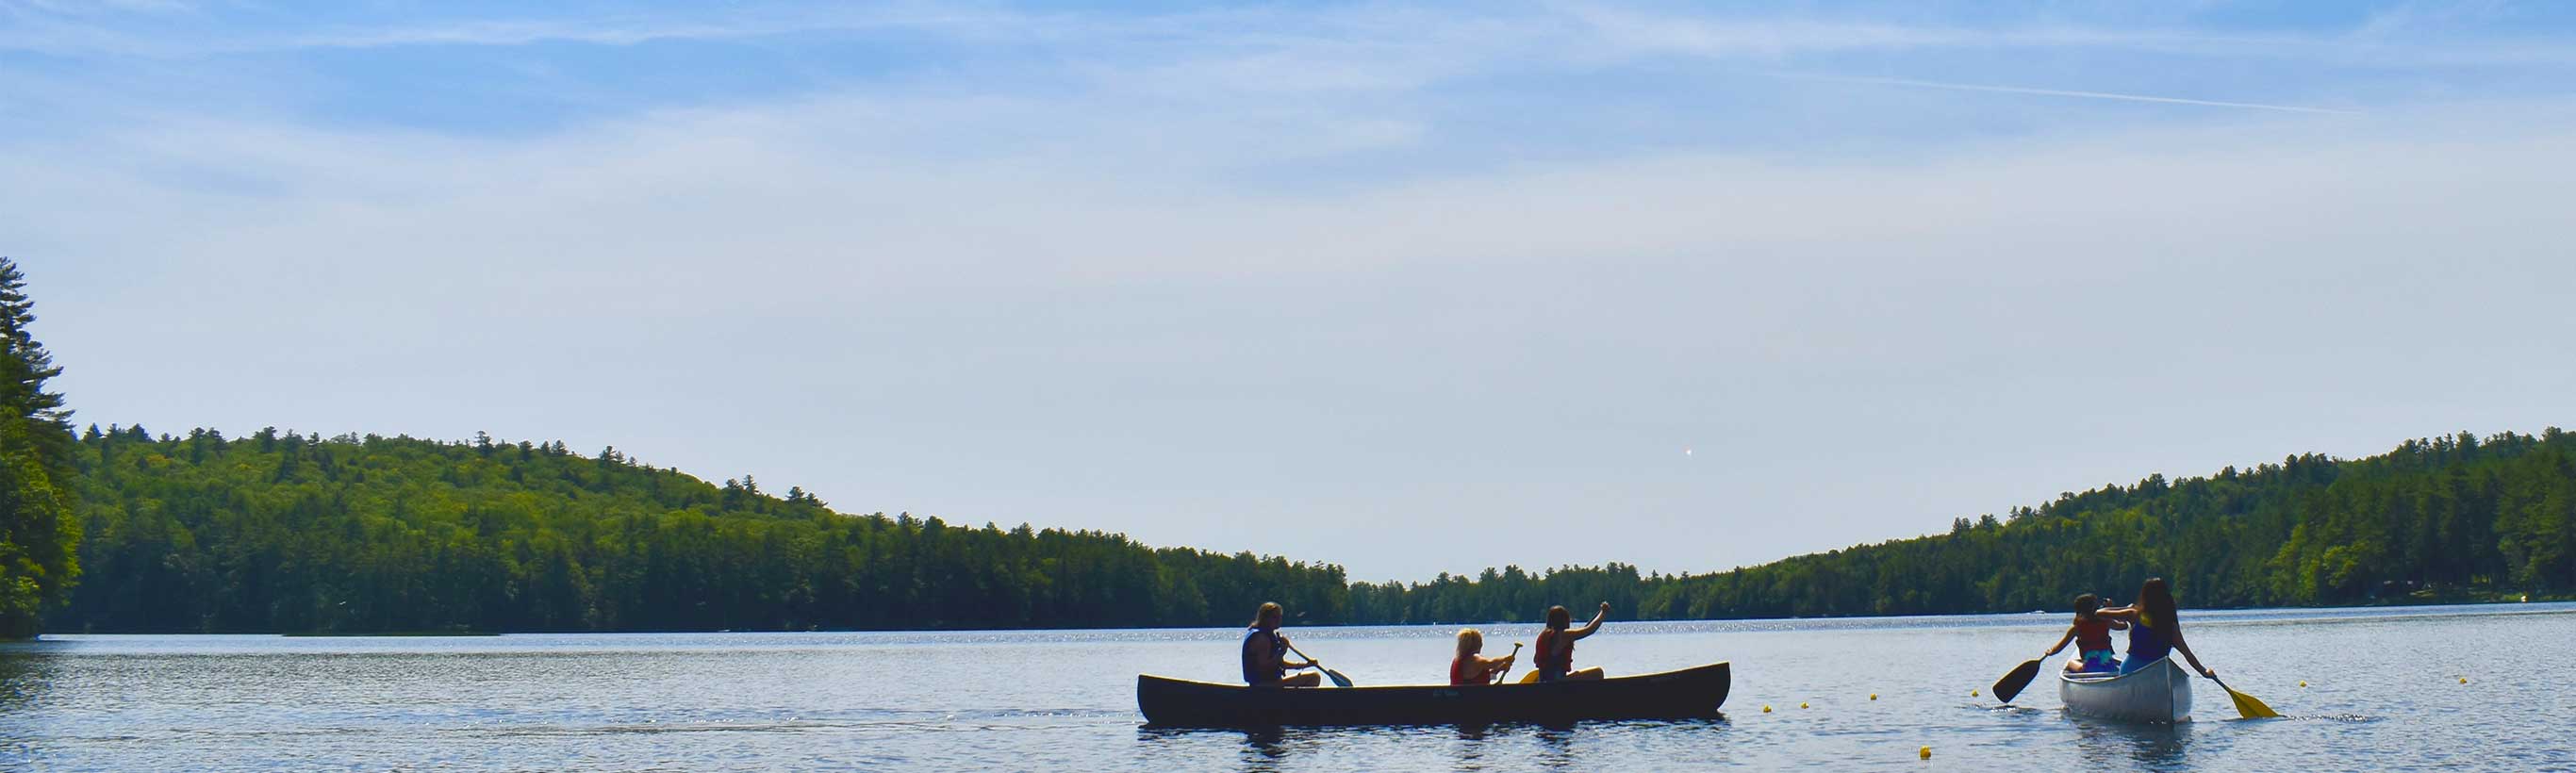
2154,630
1470,667
2091,635
1555,659
1265,653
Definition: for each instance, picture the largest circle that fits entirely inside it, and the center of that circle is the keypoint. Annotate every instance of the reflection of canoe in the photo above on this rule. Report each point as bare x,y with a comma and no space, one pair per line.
2160,692
1690,692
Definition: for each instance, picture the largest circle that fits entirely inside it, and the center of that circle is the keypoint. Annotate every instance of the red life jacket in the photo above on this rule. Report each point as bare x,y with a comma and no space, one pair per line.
1458,672
1553,656
2092,635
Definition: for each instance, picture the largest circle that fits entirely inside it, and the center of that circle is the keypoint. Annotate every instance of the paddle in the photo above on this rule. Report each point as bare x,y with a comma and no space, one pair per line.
2247,706
2015,680
1507,668
1338,679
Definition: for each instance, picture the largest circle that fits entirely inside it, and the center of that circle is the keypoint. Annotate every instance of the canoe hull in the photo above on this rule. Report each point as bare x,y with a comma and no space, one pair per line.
1687,693
2161,692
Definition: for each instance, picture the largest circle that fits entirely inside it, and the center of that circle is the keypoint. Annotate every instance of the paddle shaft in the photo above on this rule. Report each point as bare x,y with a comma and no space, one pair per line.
1338,679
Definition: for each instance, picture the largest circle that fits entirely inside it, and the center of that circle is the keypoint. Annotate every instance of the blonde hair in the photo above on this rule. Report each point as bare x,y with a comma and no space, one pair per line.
1469,640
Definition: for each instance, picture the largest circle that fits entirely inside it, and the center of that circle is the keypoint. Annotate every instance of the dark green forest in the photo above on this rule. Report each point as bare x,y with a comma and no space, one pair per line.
2438,519
286,532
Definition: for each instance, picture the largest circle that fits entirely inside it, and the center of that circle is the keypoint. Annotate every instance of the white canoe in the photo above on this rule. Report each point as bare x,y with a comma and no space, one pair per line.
2161,692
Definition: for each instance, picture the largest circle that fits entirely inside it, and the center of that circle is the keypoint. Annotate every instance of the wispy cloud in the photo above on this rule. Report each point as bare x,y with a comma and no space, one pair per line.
2066,93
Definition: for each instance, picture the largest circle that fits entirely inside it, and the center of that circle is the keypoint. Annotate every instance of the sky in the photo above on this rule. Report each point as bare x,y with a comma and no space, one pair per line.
1408,288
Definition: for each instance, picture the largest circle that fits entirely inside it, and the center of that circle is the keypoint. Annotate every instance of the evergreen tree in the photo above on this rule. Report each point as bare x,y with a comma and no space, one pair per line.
39,535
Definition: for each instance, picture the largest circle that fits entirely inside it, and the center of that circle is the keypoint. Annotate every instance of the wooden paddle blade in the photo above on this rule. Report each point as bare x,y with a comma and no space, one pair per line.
1338,679
2249,706
2012,683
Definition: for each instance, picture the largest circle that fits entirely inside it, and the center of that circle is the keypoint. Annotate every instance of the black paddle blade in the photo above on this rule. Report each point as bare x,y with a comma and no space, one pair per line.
2012,683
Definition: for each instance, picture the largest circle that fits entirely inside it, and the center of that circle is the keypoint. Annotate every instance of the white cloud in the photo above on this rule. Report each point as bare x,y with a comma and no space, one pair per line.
1103,330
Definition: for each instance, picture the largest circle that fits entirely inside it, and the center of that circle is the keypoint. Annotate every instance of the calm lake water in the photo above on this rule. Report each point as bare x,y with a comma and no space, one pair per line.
2383,692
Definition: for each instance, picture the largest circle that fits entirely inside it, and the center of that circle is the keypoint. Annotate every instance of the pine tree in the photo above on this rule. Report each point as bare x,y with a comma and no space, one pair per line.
38,534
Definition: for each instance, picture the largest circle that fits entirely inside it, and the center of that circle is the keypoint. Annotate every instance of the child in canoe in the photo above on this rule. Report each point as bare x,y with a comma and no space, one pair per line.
2091,634
1470,668
1555,659
2154,631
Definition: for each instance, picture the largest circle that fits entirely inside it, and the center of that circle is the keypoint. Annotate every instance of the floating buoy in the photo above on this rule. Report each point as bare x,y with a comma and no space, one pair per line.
2303,683
1927,752
1802,704
1972,693
2464,680
1873,696
1766,708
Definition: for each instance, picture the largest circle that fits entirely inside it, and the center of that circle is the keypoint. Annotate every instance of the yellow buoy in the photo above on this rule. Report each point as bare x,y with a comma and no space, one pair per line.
1927,752
1873,696
1766,708
2303,683
1972,693
1802,704
2464,680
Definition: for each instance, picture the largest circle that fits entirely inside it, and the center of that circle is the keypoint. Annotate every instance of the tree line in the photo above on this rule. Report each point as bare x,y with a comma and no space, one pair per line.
288,532
2455,517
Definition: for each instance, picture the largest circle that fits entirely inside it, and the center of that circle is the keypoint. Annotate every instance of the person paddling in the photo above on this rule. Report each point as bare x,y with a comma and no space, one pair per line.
1472,668
2154,629
1265,653
1555,658
2091,634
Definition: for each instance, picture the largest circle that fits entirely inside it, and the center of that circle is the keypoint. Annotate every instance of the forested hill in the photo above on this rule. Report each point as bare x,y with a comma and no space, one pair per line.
2447,518
289,533
284,532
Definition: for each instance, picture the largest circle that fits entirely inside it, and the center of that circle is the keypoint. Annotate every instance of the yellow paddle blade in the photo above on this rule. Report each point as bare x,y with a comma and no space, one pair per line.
2248,706
1530,678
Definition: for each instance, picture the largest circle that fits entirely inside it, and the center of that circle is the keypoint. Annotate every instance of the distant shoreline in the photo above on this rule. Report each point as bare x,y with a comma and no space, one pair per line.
2392,606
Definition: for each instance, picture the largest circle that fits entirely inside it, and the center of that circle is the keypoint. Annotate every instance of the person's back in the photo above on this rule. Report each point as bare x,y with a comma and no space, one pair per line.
1555,658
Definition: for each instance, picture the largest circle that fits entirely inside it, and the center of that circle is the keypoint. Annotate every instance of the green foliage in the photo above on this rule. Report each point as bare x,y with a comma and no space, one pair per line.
283,532
38,534
2447,514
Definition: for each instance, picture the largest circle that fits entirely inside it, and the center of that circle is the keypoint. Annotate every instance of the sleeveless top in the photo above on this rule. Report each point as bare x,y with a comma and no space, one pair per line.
2146,642
2093,635
1457,672
1553,656
1278,653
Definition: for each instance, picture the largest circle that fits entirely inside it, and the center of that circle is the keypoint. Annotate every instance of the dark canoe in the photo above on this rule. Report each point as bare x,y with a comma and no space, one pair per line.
1687,693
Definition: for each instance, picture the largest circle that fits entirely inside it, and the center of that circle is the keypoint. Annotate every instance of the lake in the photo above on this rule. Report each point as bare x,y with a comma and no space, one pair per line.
2382,691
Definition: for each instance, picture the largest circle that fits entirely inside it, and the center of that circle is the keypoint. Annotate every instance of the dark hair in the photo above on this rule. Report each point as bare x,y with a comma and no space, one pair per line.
1268,609
1558,618
2157,601
2084,606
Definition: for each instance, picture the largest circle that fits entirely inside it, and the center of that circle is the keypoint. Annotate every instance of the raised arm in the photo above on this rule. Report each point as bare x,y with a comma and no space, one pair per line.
1588,628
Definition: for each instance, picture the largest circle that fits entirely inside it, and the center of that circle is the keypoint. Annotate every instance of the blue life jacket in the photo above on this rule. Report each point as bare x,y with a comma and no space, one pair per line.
2146,645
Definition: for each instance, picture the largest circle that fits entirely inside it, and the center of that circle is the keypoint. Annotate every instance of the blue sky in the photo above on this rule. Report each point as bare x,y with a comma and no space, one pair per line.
1406,287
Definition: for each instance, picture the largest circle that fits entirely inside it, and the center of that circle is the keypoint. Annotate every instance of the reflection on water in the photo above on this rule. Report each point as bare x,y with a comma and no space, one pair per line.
22,678
2153,746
